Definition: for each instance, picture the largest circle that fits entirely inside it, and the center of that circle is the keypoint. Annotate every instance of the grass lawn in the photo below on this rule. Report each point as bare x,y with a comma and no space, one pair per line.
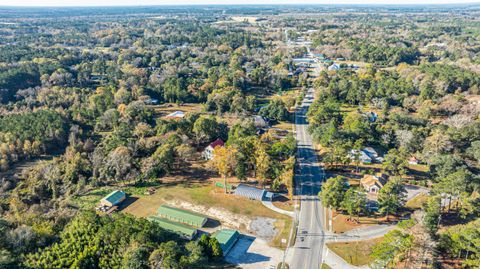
341,225
355,253
284,125
417,201
193,192
418,168
325,266
90,199
283,225
284,203
202,194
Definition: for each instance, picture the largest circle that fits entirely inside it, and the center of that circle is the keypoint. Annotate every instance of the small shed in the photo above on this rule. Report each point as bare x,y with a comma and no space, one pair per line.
182,216
250,192
183,230
114,198
227,239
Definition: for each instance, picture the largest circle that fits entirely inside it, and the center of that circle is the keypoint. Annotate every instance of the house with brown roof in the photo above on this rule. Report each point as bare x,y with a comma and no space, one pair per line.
373,183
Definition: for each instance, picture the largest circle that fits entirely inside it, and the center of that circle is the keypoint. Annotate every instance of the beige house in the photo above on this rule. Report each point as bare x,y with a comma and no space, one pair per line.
373,183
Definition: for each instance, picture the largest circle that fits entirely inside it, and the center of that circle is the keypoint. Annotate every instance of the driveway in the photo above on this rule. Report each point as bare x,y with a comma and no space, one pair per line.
413,191
271,206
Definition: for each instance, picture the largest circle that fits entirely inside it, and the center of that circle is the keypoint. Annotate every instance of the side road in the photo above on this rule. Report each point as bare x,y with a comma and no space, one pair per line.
271,206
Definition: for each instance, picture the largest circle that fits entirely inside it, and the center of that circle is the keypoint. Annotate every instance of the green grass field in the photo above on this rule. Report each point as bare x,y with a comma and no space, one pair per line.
355,253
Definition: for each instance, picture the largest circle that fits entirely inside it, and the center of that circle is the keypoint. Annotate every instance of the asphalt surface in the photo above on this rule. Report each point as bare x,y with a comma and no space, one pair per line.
310,241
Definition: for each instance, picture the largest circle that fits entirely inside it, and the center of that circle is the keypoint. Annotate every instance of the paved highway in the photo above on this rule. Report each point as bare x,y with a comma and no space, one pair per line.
308,249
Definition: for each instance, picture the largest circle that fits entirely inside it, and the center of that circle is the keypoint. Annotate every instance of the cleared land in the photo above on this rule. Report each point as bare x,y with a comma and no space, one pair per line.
215,200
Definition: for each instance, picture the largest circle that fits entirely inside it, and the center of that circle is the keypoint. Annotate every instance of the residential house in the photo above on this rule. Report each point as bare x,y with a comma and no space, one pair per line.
208,151
373,183
334,67
360,155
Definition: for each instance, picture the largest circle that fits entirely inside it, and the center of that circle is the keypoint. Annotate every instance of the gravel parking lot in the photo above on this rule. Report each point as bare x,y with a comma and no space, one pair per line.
253,253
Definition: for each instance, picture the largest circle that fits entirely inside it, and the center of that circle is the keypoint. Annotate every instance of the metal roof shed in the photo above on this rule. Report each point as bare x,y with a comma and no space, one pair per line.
114,198
178,228
182,216
250,192
227,239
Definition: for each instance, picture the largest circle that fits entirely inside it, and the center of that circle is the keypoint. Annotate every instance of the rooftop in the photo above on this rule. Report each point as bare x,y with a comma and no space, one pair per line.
114,197
183,216
226,238
174,226
217,143
250,192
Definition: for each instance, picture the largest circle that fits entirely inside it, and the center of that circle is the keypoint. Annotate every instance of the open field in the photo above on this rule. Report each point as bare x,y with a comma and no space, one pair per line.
355,253
202,194
163,110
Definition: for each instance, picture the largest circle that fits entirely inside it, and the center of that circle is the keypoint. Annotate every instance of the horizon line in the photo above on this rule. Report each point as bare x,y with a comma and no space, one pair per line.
240,4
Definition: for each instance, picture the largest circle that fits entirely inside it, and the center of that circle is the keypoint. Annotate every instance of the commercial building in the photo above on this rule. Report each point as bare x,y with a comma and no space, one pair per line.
183,230
227,239
182,216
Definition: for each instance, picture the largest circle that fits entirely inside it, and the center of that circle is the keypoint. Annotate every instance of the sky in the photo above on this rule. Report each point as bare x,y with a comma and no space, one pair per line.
209,2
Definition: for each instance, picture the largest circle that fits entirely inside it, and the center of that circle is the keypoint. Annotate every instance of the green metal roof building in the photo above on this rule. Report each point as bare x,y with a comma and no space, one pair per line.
182,216
178,228
227,239
114,198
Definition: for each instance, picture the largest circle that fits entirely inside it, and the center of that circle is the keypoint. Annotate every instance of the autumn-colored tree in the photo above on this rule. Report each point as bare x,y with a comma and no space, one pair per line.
224,162
263,163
